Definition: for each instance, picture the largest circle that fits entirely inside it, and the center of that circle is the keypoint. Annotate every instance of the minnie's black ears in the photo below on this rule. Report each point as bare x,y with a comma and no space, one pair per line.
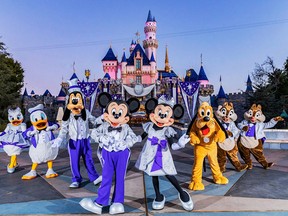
178,111
150,105
103,99
133,104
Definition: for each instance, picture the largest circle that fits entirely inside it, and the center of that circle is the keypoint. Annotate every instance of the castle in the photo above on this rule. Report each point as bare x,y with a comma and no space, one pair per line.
138,76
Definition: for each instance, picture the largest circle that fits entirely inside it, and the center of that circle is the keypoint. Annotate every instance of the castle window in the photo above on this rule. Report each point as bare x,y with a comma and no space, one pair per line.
138,64
138,80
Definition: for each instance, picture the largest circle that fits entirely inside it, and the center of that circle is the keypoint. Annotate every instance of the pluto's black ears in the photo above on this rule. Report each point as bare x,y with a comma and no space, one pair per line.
103,99
133,104
178,111
150,105
66,114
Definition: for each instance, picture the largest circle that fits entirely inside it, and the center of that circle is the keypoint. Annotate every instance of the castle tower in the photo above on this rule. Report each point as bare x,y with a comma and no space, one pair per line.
150,43
221,96
132,46
123,65
206,88
249,88
110,64
167,65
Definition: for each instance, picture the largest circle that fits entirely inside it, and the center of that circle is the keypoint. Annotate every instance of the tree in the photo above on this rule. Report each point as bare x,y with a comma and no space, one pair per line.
271,87
11,82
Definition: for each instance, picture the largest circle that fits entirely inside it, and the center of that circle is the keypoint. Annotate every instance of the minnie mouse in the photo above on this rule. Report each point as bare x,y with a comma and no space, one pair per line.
115,138
155,158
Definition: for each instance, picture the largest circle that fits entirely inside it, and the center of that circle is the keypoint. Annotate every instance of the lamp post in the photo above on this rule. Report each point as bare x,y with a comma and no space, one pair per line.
87,74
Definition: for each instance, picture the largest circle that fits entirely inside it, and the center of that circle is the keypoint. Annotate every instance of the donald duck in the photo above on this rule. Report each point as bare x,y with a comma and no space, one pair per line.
11,138
40,136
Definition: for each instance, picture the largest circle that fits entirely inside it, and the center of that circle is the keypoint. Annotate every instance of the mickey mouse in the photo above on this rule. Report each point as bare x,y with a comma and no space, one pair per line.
155,158
115,138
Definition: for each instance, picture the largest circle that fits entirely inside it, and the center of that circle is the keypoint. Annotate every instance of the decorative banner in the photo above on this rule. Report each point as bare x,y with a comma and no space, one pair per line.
145,91
89,90
189,87
189,90
116,96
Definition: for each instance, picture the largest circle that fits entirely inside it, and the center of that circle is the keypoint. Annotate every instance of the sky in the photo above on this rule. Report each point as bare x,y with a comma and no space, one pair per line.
48,36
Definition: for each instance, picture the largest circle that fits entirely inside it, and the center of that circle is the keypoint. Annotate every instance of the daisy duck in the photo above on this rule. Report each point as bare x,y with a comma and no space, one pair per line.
12,140
156,159
75,128
40,135
115,137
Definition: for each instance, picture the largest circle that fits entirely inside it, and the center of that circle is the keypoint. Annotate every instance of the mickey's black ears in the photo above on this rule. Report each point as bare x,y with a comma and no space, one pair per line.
150,105
103,99
178,111
133,104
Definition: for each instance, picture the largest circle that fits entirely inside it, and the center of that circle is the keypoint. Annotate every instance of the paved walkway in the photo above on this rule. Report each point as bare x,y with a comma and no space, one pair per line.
254,192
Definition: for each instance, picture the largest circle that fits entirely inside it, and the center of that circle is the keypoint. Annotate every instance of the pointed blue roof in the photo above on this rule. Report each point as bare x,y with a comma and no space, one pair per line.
61,93
152,58
248,79
25,92
130,60
107,76
110,56
32,92
149,18
193,76
47,92
221,93
164,74
202,74
132,42
74,76
249,85
154,20
124,59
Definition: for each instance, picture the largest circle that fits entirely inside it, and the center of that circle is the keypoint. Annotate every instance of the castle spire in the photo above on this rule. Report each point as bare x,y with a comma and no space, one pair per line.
167,65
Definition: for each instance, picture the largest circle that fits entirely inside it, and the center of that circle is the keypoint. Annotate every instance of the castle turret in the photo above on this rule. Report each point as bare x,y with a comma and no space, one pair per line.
206,88
221,96
150,43
249,88
167,65
110,64
153,66
132,46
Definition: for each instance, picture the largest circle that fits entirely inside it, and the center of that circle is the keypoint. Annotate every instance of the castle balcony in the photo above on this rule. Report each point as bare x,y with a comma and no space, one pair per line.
206,90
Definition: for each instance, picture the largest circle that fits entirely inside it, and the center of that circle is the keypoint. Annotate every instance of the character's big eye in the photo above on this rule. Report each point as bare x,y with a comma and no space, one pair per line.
250,113
208,112
258,114
231,112
18,117
202,112
34,119
223,111
120,112
43,116
166,114
113,111
159,112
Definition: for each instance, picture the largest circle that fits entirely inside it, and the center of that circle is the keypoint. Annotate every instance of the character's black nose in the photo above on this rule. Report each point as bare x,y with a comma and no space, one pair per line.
116,116
206,118
74,101
162,116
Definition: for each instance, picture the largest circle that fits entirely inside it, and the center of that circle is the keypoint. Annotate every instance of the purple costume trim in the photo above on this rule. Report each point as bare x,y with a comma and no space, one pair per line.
113,162
77,149
32,139
157,165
